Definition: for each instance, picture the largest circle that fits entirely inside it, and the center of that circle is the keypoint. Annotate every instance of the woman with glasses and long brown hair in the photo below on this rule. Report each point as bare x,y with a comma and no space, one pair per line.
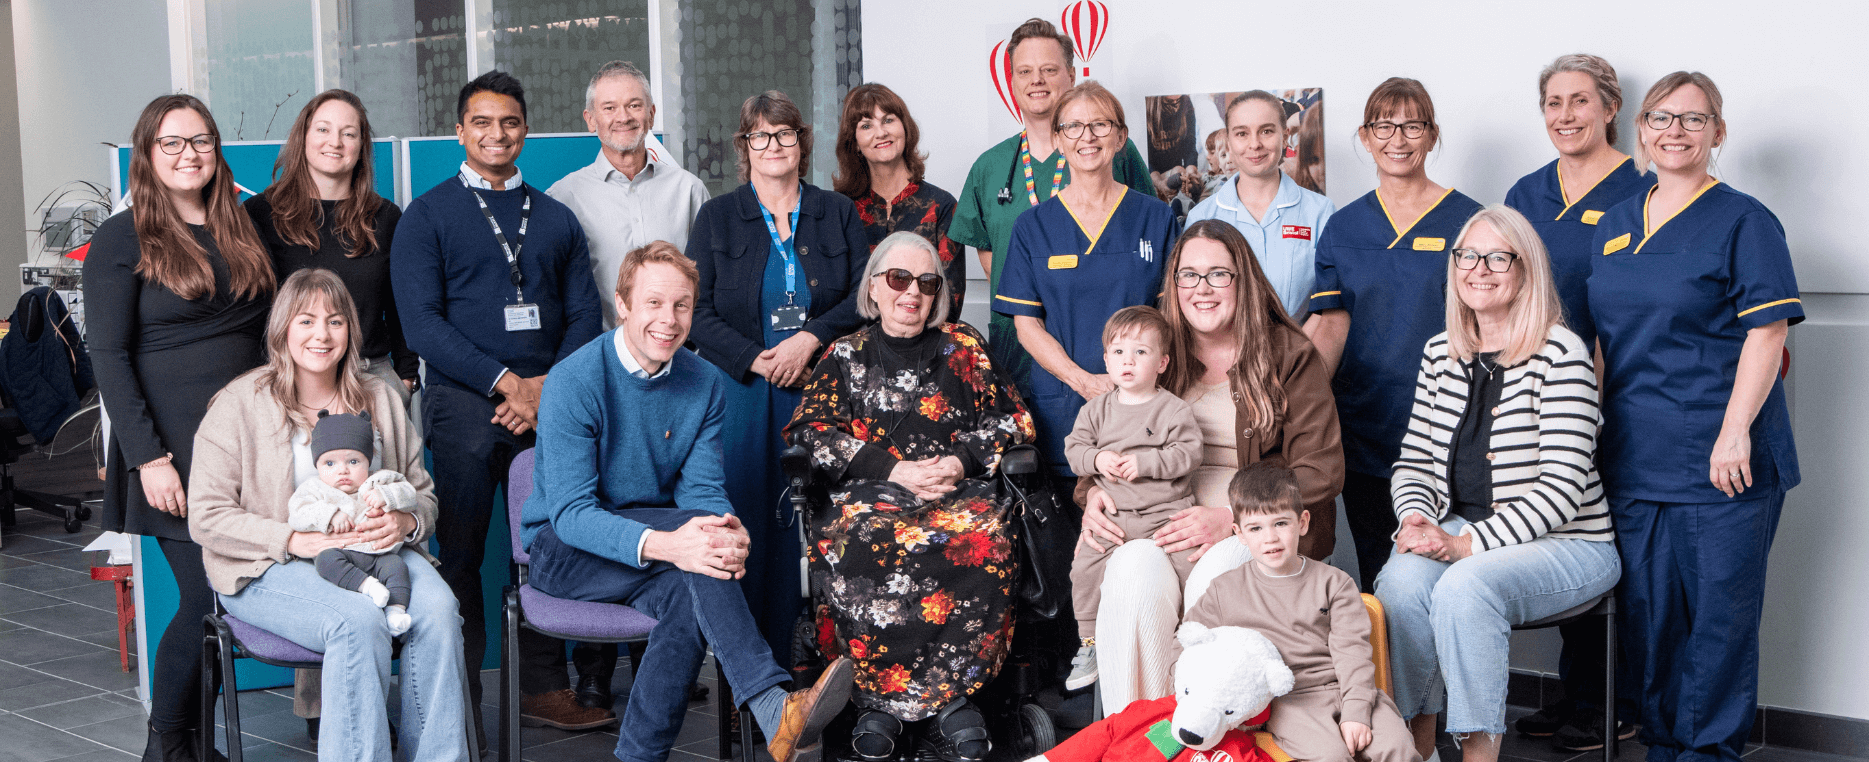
1377,300
1693,292
780,261
879,166
178,288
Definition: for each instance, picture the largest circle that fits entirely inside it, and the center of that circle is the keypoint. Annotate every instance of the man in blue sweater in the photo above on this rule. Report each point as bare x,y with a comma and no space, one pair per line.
629,505
492,279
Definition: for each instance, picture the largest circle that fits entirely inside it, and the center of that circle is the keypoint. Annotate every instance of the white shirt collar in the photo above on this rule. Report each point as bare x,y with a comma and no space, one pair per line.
650,168
1228,195
474,180
629,360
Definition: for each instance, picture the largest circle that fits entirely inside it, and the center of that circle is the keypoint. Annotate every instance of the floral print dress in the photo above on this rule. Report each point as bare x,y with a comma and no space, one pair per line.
925,210
917,593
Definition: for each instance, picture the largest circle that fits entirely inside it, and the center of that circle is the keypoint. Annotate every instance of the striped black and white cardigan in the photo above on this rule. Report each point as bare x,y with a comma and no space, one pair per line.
1542,446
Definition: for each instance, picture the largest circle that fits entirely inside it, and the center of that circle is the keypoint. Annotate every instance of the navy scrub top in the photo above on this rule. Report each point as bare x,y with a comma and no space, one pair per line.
1672,310
1075,283
1393,282
1568,227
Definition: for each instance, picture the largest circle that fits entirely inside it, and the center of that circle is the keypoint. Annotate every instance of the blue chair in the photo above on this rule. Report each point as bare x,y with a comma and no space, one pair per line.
582,621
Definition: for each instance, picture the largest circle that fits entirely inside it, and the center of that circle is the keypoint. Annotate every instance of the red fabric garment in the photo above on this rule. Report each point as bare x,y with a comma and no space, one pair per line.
1140,733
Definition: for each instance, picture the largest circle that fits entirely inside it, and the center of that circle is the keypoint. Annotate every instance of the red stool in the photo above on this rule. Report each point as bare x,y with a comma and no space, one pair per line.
126,606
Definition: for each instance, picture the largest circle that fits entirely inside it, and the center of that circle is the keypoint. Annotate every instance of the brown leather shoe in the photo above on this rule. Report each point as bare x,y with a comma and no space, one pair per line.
559,709
808,711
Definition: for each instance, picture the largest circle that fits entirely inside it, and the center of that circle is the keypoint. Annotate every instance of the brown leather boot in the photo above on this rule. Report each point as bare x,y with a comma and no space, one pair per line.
808,711
559,709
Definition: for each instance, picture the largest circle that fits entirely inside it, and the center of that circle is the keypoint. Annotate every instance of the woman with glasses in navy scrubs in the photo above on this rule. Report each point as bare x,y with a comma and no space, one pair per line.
1380,295
1565,199
1692,292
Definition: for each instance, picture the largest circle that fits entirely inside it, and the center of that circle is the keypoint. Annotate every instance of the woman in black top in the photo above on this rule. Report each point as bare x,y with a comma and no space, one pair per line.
765,328
323,211
880,168
179,287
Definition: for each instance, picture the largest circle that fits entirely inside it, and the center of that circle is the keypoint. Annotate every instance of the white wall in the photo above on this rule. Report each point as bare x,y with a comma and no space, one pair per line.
1792,99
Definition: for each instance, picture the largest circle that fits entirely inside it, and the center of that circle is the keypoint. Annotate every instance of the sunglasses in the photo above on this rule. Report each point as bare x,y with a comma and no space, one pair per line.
899,280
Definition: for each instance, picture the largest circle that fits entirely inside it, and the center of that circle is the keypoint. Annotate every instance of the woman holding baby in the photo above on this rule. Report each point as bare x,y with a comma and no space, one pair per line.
252,453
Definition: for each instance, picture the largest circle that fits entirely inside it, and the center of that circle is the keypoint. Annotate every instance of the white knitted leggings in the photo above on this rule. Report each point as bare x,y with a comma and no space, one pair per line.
1141,609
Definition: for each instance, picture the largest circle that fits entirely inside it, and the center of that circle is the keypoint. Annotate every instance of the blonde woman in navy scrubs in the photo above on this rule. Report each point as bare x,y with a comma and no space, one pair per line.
1580,97
1692,293
1380,295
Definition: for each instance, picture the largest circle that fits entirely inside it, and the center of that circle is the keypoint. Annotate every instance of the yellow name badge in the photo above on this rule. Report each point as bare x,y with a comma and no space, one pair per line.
1616,244
1430,244
1590,217
1062,262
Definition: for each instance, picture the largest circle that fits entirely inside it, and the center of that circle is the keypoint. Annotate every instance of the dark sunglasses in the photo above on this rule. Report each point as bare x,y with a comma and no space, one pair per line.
899,280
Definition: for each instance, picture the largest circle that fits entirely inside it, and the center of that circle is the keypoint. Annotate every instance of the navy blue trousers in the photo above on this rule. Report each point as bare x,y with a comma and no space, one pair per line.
691,611
1693,588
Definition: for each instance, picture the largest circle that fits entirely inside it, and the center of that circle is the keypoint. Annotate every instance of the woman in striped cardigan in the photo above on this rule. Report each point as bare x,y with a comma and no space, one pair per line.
1502,514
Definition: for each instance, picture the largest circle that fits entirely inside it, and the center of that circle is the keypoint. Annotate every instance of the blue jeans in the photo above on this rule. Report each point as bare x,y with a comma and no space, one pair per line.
691,611
292,601
1449,624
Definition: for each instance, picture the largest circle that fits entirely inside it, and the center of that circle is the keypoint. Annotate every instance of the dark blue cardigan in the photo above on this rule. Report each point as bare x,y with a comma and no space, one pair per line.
730,244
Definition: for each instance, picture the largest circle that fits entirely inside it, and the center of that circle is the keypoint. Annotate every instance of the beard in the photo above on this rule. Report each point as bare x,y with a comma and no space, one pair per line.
620,146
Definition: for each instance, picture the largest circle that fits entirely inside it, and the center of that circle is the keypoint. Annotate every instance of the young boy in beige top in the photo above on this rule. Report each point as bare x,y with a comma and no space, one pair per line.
1141,445
1315,617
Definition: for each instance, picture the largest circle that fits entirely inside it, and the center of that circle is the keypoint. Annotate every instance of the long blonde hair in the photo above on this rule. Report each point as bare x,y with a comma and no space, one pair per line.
279,375
1257,313
1534,310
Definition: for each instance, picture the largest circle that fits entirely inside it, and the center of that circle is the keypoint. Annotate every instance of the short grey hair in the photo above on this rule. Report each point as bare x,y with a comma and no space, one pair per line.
866,305
617,69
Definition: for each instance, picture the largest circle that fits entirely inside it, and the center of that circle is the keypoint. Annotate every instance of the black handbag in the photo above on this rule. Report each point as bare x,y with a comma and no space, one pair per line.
1043,544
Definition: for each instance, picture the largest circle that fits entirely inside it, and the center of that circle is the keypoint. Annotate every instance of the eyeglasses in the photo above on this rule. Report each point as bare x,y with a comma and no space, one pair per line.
1411,129
1075,130
1497,261
172,144
1692,121
899,280
1215,278
758,141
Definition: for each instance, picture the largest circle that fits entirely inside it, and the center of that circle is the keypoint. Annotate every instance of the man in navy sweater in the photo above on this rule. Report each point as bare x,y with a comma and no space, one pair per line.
629,505
492,280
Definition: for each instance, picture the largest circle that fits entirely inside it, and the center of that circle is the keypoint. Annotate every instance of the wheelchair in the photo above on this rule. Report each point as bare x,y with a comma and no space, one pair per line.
1020,702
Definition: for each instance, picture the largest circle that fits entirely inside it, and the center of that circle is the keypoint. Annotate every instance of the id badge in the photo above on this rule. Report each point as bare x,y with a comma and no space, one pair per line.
790,317
522,317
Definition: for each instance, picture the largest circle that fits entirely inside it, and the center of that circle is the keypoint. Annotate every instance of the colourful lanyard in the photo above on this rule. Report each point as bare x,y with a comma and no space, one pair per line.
785,248
1025,160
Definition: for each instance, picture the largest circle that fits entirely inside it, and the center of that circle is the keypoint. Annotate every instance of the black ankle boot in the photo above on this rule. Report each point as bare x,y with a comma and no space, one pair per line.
172,746
874,737
958,733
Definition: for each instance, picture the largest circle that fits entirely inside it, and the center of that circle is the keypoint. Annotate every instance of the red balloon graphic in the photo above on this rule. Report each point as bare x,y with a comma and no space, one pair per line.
999,67
1086,21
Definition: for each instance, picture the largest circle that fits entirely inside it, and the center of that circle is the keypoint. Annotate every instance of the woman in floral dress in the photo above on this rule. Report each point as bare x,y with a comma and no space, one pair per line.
911,563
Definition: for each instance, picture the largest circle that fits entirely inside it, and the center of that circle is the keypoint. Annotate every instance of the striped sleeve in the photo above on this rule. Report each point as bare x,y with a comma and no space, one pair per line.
1547,483
1417,482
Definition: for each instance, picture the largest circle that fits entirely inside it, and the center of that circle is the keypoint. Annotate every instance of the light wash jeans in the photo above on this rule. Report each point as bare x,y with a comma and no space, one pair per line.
291,600
1449,623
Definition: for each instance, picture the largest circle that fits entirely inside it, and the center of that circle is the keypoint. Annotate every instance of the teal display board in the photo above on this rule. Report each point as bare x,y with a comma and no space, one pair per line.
252,163
544,159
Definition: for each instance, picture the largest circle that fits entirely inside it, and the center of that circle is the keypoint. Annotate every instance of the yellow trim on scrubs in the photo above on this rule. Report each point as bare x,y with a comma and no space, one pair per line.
1599,181
1016,301
1106,220
1769,304
1650,233
1325,293
1401,233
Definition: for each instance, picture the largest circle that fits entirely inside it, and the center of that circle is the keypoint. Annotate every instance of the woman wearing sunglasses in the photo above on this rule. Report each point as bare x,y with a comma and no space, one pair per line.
907,418
1378,298
178,288
780,261
1502,515
1693,292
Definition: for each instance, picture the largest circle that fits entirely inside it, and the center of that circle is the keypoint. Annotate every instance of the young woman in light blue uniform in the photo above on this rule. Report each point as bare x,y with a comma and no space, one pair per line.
1380,295
1074,260
1565,200
1692,292
1280,220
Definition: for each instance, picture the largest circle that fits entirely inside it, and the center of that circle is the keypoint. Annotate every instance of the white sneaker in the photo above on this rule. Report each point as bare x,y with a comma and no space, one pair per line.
379,594
398,619
1083,669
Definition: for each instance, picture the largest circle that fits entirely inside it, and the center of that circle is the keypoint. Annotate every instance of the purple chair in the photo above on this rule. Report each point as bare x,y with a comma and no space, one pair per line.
583,621
229,638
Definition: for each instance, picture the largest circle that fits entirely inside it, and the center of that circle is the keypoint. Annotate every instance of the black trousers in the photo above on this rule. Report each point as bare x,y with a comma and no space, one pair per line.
1371,515
175,675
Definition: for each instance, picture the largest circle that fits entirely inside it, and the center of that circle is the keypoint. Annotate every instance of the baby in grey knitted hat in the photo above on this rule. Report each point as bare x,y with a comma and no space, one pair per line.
344,491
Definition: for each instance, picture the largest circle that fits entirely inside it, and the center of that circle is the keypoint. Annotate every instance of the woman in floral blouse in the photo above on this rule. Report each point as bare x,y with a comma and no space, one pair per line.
911,564
879,167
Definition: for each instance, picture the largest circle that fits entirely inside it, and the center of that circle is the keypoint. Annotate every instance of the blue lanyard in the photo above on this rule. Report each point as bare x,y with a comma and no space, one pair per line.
787,252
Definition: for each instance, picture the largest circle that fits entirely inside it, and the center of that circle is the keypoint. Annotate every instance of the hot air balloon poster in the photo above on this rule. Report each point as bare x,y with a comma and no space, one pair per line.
1187,148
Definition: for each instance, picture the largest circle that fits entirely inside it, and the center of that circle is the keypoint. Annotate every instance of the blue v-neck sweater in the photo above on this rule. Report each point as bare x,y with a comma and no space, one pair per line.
610,441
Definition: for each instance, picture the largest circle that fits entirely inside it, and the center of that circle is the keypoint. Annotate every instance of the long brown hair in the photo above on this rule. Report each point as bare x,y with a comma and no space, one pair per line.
280,375
171,257
1257,312
297,214
853,171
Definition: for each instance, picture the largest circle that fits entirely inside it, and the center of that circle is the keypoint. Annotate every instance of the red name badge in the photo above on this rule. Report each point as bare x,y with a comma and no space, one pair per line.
1301,232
